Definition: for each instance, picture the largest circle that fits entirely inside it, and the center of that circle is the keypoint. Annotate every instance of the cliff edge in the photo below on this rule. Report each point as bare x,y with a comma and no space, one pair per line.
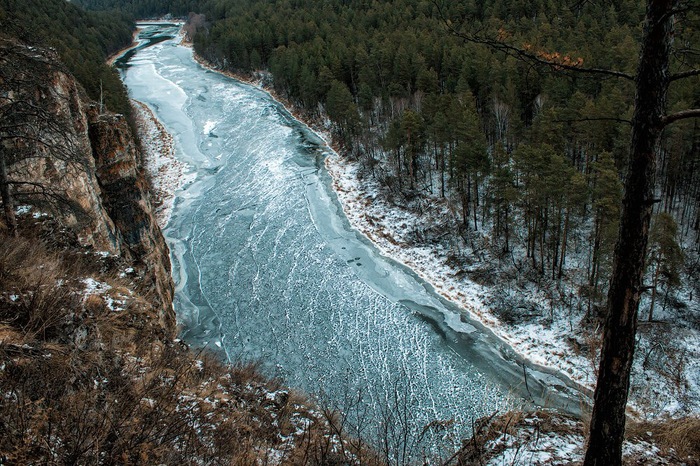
69,158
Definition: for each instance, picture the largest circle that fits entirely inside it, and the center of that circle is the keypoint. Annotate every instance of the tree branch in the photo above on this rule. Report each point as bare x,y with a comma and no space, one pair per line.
684,74
692,113
526,55
523,54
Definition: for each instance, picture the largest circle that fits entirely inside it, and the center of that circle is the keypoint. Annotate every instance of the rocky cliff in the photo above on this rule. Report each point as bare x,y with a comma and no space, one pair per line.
125,196
69,158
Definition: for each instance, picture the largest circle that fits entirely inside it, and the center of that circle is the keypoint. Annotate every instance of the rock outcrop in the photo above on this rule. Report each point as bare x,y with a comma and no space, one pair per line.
125,195
82,166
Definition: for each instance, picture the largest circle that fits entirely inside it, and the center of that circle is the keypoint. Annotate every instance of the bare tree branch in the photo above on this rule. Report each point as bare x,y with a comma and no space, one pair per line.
682,115
528,55
684,74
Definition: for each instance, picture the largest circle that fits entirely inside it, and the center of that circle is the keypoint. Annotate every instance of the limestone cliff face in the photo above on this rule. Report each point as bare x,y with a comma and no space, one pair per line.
125,195
65,157
45,143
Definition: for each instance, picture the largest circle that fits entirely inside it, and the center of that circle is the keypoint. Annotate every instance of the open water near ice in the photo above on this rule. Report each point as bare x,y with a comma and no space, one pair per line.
267,267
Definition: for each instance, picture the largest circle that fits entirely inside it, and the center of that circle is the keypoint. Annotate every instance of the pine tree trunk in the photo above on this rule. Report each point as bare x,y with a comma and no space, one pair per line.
442,173
610,399
476,201
562,256
7,202
593,279
653,292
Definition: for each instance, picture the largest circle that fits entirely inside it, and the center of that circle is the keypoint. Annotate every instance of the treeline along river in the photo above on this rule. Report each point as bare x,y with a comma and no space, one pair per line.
268,269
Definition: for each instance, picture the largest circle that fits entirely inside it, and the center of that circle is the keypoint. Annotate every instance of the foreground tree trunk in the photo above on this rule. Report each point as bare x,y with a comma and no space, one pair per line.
652,81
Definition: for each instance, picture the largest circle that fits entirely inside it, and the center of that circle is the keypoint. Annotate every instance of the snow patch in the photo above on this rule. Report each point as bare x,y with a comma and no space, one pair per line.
168,174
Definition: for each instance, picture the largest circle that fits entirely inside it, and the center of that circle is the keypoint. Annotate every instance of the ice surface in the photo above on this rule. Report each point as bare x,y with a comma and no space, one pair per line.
267,266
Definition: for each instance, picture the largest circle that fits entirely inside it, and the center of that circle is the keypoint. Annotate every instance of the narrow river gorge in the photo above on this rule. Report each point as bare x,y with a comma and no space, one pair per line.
268,268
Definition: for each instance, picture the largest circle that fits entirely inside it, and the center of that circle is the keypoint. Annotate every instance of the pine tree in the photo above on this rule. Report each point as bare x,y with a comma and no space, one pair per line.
665,256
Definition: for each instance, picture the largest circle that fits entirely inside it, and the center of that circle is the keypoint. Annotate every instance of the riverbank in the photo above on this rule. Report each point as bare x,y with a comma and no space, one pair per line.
134,43
556,341
167,173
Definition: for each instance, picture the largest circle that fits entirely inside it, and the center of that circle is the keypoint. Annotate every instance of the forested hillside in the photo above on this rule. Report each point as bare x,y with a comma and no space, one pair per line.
82,39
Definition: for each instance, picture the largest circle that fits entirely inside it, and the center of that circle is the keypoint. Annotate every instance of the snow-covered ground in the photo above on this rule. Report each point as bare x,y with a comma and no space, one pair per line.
168,174
389,226
541,438
549,341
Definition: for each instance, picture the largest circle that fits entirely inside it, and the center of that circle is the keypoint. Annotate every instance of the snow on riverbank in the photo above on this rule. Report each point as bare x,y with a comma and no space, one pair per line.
388,227
168,174
550,342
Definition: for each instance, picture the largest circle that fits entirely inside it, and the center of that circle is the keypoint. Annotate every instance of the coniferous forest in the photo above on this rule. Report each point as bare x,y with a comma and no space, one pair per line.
82,39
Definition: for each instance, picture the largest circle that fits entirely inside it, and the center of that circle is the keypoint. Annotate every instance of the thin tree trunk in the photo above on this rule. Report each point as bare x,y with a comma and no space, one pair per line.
596,251
565,234
7,201
610,399
507,228
555,244
442,172
542,238
653,291
476,202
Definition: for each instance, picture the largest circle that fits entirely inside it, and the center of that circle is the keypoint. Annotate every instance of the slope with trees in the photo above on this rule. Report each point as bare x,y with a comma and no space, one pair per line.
82,39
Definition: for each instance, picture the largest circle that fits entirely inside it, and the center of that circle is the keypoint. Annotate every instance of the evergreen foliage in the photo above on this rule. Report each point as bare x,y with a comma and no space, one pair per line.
508,141
82,39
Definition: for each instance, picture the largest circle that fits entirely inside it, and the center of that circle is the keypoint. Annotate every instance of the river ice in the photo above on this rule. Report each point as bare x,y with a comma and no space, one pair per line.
267,267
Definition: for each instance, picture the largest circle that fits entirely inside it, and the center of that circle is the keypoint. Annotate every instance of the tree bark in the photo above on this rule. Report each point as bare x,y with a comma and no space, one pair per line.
652,81
653,292
7,202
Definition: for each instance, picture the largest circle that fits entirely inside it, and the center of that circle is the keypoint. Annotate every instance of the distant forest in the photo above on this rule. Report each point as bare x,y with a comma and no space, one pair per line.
528,154
82,39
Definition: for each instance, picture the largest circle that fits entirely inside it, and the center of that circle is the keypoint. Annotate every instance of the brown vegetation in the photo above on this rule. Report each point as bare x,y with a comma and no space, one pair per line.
88,376
677,437
544,437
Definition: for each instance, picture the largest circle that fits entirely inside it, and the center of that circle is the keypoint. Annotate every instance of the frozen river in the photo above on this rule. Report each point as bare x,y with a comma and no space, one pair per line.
267,267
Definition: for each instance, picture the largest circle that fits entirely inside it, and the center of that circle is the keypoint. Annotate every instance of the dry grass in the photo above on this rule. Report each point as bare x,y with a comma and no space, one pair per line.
679,438
525,433
525,427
